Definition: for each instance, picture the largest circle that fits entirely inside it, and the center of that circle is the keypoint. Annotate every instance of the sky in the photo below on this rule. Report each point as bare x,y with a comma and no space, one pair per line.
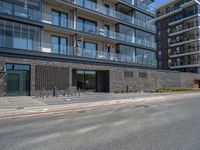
159,3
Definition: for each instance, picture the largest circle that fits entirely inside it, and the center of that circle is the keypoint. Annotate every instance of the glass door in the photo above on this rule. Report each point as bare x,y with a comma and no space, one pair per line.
80,79
25,83
86,80
18,83
90,81
13,84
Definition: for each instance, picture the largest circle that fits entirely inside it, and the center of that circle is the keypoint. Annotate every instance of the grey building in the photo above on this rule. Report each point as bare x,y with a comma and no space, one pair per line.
92,45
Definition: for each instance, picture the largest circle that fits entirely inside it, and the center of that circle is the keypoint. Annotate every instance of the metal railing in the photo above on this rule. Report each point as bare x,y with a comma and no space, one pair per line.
184,27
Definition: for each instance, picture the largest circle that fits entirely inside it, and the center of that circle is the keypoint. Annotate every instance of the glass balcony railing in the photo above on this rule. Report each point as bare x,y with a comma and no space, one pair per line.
171,9
184,15
48,47
19,11
141,5
114,14
69,24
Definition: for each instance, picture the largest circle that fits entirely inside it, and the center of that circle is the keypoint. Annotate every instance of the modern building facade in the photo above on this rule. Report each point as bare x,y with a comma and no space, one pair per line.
74,44
178,36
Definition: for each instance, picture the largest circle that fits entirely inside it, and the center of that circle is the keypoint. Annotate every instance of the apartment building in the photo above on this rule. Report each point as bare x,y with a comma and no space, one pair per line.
90,45
178,36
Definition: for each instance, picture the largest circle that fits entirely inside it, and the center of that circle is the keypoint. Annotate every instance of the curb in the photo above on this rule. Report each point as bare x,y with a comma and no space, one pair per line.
36,111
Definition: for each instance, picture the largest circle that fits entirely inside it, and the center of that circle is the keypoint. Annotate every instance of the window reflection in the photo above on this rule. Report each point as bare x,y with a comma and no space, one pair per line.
20,36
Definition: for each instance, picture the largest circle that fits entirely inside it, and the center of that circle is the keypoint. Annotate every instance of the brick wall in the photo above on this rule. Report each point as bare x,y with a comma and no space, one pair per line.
143,79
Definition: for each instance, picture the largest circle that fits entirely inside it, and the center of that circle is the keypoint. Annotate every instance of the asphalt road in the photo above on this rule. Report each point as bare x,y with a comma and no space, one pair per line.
172,125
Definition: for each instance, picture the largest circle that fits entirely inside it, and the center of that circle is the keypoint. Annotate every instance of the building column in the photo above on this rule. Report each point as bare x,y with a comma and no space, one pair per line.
74,18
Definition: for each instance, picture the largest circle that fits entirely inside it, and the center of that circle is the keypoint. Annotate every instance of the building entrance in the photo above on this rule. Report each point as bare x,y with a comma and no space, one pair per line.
18,80
91,80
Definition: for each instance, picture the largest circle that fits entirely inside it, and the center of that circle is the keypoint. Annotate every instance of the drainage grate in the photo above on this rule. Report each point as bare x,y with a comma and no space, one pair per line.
18,108
82,111
142,106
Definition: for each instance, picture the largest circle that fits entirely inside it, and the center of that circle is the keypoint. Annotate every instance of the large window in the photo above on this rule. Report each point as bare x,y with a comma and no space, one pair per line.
127,53
145,57
27,9
59,45
106,30
20,36
143,17
90,4
88,49
87,25
144,37
59,18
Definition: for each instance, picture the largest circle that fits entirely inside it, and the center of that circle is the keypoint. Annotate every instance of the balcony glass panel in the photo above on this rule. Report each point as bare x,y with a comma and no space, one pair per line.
92,5
20,36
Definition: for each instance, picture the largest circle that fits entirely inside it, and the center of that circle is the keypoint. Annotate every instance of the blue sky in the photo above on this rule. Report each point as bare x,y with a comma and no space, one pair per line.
159,2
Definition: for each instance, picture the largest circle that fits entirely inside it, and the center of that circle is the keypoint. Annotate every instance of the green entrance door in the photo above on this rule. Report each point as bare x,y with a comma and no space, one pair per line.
18,83
13,84
18,79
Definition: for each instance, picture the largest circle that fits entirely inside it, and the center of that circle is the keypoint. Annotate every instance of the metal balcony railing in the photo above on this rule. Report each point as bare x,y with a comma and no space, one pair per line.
184,27
185,63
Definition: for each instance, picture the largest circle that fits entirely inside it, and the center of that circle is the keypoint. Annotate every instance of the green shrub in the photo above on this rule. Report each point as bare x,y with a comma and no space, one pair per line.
171,89
116,91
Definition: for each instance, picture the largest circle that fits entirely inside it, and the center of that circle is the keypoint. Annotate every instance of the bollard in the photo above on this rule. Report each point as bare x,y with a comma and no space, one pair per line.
68,92
127,89
79,92
43,93
75,91
55,92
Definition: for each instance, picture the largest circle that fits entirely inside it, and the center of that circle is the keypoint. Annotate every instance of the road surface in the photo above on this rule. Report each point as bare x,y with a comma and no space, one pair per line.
171,125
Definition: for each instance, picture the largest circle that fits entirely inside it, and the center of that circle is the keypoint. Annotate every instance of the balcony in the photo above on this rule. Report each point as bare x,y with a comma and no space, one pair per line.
184,28
113,14
184,52
185,40
67,52
185,16
173,10
141,5
185,64
66,23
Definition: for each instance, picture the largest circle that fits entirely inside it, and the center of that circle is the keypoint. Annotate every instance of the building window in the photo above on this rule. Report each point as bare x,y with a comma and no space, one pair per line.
20,36
90,4
59,45
87,25
32,10
142,75
59,18
106,30
128,74
88,49
145,57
